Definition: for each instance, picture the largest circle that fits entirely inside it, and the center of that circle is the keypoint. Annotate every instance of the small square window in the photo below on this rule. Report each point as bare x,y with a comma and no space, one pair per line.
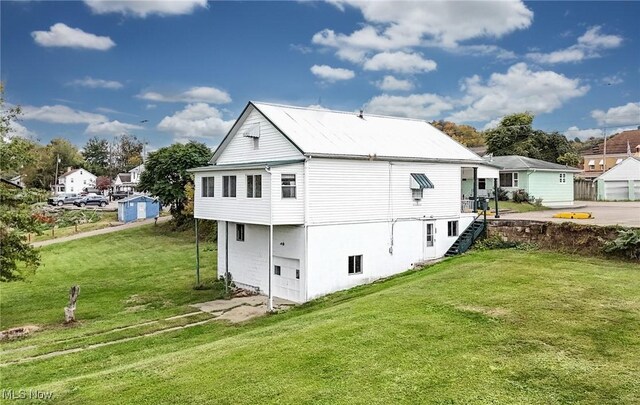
277,270
452,228
240,232
355,264
416,193
563,177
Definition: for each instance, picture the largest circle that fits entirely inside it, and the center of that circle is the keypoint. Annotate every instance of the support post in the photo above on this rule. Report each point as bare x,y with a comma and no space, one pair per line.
475,189
270,304
226,257
495,196
197,255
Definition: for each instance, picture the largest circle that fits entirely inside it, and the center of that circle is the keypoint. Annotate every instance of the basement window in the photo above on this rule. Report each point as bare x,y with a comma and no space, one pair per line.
277,270
355,264
563,178
288,185
452,228
228,186
254,186
240,232
207,186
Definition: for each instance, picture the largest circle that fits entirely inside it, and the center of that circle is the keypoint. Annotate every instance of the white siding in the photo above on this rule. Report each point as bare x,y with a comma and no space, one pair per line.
288,210
272,144
629,169
361,190
240,208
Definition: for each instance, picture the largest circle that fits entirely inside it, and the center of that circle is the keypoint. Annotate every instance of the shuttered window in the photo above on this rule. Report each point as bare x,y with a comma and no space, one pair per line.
207,186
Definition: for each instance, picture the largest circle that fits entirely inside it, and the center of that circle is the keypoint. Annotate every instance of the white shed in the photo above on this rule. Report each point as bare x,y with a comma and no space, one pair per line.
621,182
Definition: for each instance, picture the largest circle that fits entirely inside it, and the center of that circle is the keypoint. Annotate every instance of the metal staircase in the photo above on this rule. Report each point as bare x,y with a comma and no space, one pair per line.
466,239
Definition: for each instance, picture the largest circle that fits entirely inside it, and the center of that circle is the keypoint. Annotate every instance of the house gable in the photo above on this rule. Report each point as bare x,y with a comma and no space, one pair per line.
254,138
628,169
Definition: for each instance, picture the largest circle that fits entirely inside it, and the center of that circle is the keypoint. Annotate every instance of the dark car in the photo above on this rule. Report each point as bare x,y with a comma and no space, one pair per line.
92,200
118,195
63,198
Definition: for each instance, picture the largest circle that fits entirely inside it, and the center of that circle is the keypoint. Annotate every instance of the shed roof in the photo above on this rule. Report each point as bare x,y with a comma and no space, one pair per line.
321,132
517,162
137,197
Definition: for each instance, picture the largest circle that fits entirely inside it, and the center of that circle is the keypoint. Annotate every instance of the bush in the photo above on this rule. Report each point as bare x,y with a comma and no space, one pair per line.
521,196
503,195
627,244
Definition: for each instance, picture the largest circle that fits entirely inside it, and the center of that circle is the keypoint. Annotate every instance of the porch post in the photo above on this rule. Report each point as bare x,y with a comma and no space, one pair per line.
270,304
475,189
495,196
226,256
197,254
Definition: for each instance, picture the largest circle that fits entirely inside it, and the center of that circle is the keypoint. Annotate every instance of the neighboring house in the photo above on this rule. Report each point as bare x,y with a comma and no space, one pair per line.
75,181
551,182
128,181
18,180
11,183
622,182
138,207
313,201
618,148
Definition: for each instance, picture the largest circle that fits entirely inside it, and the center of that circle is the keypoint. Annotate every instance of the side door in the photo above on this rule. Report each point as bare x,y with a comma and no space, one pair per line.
429,240
286,279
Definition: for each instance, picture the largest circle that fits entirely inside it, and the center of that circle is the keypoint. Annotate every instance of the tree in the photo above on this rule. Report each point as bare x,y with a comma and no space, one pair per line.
103,183
516,136
43,173
96,156
570,159
128,153
465,134
166,176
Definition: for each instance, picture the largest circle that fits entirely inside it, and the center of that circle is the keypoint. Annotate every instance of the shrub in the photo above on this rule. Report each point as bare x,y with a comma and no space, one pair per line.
521,196
627,244
503,195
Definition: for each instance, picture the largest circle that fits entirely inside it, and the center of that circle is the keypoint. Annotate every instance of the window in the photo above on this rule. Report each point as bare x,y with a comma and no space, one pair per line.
482,184
72,179
240,232
355,264
207,186
298,274
429,235
416,194
254,186
452,228
256,143
563,177
228,186
508,179
277,270
288,185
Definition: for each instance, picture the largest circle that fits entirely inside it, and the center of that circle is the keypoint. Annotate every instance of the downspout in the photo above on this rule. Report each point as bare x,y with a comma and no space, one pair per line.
226,256
270,300
306,228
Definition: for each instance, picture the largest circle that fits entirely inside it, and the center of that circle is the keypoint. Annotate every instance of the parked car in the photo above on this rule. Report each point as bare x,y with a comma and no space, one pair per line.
92,200
118,195
63,198
88,191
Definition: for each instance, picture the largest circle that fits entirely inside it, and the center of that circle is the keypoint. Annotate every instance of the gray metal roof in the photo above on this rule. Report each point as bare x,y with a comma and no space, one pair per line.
516,162
245,166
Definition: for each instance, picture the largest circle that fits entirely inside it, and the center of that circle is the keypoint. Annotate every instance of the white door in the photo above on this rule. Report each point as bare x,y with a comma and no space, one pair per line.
429,242
286,279
142,210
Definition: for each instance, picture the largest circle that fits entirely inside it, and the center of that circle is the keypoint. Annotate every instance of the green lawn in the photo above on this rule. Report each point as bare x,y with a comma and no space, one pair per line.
107,219
487,327
518,207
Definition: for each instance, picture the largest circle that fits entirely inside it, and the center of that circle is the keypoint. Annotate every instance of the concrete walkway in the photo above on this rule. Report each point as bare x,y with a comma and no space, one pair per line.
242,309
625,213
110,229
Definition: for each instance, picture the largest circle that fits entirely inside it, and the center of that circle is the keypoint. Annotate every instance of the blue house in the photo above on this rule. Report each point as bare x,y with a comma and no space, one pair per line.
138,207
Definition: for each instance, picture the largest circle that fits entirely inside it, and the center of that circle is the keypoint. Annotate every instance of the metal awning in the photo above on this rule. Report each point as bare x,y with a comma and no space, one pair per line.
592,162
419,181
601,162
618,161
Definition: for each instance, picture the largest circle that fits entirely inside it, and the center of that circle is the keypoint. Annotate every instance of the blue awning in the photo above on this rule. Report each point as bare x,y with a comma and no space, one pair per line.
419,181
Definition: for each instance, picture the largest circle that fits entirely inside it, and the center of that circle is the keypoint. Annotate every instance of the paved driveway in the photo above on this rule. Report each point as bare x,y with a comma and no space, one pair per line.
604,213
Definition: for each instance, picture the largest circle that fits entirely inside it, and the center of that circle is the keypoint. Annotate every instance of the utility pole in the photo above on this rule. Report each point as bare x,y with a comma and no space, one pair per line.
604,154
55,184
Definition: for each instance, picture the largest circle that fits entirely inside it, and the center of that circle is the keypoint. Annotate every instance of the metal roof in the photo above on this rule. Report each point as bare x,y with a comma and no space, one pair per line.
320,132
245,166
137,197
516,162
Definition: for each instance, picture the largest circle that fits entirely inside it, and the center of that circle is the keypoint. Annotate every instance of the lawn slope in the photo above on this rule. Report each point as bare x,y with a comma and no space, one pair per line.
488,327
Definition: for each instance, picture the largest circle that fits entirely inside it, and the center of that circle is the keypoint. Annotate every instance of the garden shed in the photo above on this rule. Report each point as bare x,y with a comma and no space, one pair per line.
138,207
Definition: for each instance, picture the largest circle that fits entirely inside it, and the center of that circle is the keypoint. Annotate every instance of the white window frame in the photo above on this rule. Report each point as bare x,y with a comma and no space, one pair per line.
207,186
227,190
253,191
453,229
563,178
513,182
355,265
291,185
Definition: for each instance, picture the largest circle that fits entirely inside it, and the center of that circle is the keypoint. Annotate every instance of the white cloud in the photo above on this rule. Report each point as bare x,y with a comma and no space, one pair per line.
145,8
492,124
110,128
612,80
150,106
423,106
627,114
330,74
582,134
60,114
317,107
61,35
390,83
97,83
401,62
198,120
587,47
193,95
390,26
17,129
519,89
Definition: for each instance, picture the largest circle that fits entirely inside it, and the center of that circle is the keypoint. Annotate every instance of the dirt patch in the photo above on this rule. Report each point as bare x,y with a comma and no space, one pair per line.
498,313
135,299
17,333
137,308
243,313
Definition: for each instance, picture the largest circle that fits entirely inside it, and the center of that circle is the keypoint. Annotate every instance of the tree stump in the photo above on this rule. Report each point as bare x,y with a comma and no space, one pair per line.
70,310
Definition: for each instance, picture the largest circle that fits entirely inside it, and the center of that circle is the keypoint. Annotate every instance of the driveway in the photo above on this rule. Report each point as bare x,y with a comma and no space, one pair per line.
604,213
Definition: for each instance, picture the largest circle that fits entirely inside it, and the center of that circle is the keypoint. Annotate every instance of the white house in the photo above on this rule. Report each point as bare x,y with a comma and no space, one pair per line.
75,180
128,181
621,182
313,201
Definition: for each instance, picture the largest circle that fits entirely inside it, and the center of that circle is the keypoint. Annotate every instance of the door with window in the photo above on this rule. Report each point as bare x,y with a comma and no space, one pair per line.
429,243
286,279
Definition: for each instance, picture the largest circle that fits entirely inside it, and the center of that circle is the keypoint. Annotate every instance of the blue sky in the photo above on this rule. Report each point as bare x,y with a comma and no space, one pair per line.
170,71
